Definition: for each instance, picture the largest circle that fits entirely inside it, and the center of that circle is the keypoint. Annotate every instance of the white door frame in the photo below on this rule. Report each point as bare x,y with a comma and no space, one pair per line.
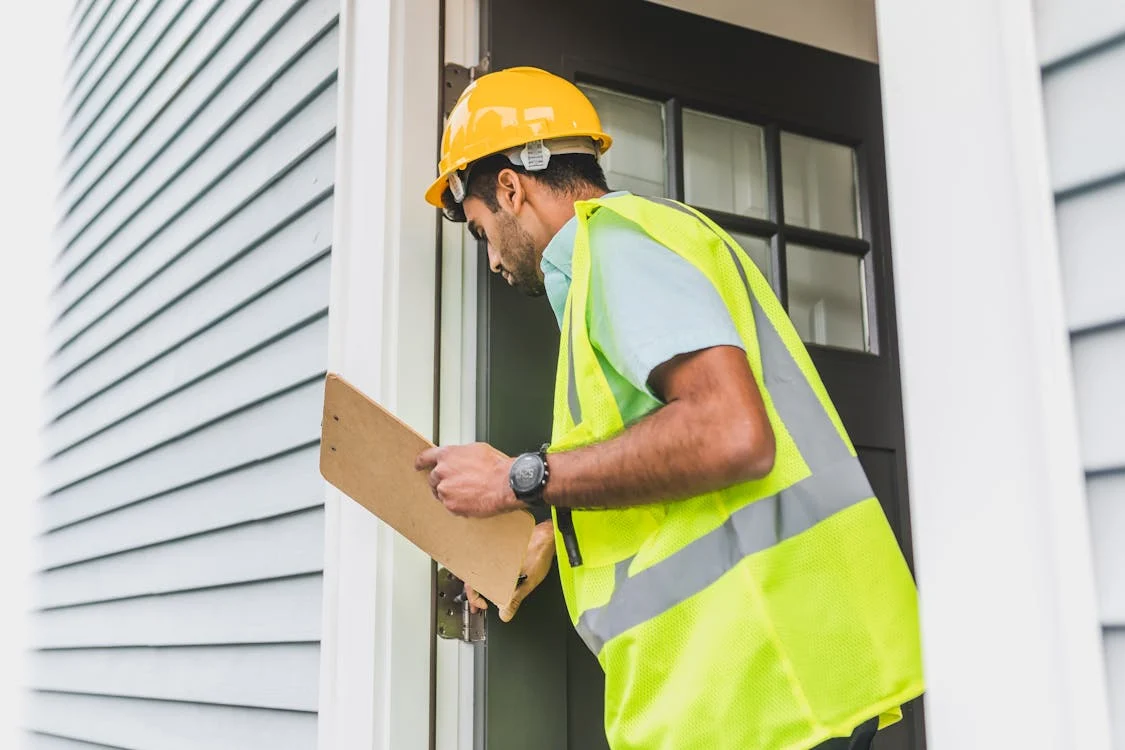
455,696
375,642
1011,641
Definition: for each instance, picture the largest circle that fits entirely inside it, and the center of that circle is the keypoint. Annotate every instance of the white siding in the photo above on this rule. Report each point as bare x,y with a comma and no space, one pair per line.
1107,514
1082,49
1085,109
163,725
178,593
1093,226
1115,655
1068,26
42,741
258,676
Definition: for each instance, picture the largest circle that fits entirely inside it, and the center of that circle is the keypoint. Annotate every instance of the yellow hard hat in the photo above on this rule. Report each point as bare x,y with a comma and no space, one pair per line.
517,107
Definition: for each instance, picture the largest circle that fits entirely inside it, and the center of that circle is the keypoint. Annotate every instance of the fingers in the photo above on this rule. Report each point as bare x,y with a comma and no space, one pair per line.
427,459
508,611
523,588
477,602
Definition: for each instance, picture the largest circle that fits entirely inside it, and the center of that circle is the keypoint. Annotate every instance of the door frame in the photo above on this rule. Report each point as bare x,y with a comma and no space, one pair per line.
377,618
801,90
456,725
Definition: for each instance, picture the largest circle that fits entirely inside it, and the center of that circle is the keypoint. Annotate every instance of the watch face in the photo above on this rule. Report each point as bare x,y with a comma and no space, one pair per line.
527,473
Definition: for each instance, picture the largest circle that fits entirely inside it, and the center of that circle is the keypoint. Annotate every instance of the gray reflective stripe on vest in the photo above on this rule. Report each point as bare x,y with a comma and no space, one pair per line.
836,482
571,382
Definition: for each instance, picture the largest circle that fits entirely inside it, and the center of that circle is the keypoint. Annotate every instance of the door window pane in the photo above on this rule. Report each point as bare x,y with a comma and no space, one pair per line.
757,248
725,165
635,162
819,187
827,297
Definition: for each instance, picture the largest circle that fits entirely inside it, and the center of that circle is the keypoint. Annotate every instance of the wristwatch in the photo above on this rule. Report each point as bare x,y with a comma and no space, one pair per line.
528,476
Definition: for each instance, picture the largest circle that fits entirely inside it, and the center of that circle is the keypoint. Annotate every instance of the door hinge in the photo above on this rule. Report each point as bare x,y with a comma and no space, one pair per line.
456,78
454,620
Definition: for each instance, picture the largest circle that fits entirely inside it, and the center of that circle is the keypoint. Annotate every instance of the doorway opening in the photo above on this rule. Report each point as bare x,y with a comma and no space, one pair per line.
779,142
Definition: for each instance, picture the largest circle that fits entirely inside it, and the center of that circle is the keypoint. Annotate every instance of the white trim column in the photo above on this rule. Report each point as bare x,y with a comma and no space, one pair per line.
1011,640
375,647
456,661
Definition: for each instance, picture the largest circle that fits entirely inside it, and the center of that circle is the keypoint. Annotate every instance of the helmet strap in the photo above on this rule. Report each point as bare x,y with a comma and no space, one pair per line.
536,155
533,156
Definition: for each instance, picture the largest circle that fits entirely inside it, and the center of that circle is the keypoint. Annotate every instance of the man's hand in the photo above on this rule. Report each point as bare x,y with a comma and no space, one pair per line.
536,566
470,480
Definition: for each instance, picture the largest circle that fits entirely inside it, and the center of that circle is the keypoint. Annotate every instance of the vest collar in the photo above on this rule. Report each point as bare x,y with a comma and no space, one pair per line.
558,259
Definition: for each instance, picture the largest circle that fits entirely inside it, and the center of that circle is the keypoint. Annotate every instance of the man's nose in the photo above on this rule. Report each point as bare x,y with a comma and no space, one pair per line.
493,259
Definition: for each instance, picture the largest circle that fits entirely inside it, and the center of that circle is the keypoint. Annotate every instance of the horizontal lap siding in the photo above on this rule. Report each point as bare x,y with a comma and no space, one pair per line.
178,585
169,725
1082,50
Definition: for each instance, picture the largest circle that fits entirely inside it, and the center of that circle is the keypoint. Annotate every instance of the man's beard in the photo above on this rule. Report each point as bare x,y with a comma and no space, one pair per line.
532,287
524,269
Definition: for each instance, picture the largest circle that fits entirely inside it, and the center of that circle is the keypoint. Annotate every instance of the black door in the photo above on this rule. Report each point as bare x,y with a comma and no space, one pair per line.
780,143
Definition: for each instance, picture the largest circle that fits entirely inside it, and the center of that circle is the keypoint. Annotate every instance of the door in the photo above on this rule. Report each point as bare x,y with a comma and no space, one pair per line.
780,143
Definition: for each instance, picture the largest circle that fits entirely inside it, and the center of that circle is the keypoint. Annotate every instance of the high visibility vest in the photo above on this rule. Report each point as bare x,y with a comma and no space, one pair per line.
774,614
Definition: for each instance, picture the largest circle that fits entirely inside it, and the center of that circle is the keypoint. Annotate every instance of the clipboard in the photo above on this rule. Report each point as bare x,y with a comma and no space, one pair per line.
368,454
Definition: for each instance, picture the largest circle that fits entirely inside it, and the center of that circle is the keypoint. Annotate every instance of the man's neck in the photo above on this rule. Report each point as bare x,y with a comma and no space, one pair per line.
563,209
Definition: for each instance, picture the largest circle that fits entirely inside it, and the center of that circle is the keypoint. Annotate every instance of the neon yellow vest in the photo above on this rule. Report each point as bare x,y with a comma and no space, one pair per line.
772,615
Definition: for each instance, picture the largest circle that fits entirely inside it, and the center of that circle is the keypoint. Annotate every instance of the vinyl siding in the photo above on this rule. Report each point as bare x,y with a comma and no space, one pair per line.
1082,50
177,599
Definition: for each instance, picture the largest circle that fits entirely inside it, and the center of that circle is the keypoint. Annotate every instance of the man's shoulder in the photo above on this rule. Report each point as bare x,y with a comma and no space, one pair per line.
612,232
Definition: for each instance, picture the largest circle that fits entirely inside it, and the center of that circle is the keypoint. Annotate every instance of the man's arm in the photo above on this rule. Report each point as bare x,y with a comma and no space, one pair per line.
713,432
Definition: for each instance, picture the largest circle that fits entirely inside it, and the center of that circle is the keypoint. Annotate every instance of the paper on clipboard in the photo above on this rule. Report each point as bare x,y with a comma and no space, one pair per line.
368,454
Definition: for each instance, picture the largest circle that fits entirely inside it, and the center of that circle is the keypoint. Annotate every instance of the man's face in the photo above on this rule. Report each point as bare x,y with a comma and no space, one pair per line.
512,250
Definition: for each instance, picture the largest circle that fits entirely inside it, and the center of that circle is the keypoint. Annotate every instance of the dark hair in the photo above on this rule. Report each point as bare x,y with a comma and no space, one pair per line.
565,174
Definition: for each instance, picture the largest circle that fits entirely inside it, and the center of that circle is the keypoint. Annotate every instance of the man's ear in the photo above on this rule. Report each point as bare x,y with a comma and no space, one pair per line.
510,190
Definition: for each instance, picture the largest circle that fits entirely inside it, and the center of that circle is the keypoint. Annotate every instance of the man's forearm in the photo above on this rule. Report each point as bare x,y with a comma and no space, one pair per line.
676,452
714,432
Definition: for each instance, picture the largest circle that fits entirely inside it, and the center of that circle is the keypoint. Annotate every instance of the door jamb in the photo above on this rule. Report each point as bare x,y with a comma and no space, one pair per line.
456,726
376,617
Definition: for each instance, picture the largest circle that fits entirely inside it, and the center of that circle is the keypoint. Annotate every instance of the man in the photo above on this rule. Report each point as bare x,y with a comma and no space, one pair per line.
720,549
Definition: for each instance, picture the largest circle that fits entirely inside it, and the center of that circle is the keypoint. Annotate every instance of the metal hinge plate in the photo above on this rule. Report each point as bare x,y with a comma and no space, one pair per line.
455,79
454,620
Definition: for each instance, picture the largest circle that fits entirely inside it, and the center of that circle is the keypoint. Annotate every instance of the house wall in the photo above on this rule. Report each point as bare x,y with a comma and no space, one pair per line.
1082,51
178,591
998,508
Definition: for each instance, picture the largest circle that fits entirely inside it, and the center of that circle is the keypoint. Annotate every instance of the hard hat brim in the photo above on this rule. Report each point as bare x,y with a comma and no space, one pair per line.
435,191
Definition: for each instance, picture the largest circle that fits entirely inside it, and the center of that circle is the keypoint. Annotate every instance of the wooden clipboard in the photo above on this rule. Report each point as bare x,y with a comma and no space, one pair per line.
368,454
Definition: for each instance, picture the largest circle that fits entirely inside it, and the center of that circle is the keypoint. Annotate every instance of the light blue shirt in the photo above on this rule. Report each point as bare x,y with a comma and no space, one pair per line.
647,305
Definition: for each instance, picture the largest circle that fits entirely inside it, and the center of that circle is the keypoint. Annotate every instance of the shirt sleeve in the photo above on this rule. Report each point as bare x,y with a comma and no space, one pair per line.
648,304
